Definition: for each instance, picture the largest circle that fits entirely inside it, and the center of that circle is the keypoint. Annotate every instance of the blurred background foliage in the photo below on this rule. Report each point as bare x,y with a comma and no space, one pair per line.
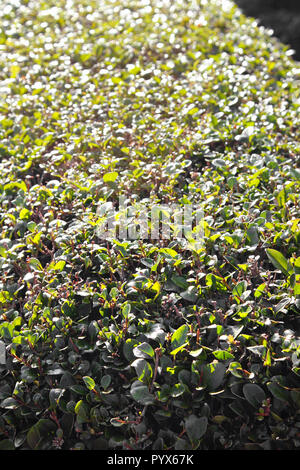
282,17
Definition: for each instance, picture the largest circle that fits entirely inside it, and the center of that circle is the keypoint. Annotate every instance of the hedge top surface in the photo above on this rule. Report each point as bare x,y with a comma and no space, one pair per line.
147,344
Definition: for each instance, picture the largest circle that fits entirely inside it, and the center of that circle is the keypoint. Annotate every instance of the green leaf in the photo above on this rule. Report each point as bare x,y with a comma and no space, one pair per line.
169,252
238,408
222,355
279,261
190,294
236,369
156,287
5,297
110,177
213,375
259,350
180,348
297,265
24,214
195,427
156,333
82,411
179,337
278,391
59,266
35,263
239,289
252,235
10,187
254,394
259,290
67,380
144,350
89,383
179,281
148,262
54,396
33,437
177,390
141,394
105,381
126,309
143,369
78,389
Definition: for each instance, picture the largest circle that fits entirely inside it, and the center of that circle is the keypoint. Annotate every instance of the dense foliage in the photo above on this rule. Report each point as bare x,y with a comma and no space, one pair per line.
147,344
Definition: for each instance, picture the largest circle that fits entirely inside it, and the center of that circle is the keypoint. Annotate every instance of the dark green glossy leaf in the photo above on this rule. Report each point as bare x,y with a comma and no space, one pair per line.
196,427
254,394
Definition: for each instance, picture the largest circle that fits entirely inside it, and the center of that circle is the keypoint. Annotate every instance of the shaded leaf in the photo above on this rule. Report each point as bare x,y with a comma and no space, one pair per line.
195,427
141,394
254,394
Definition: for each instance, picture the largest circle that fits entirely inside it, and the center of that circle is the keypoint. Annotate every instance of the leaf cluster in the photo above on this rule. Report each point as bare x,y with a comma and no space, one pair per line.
147,344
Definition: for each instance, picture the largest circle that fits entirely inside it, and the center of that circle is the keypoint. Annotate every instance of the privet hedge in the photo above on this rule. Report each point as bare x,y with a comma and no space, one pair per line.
147,343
